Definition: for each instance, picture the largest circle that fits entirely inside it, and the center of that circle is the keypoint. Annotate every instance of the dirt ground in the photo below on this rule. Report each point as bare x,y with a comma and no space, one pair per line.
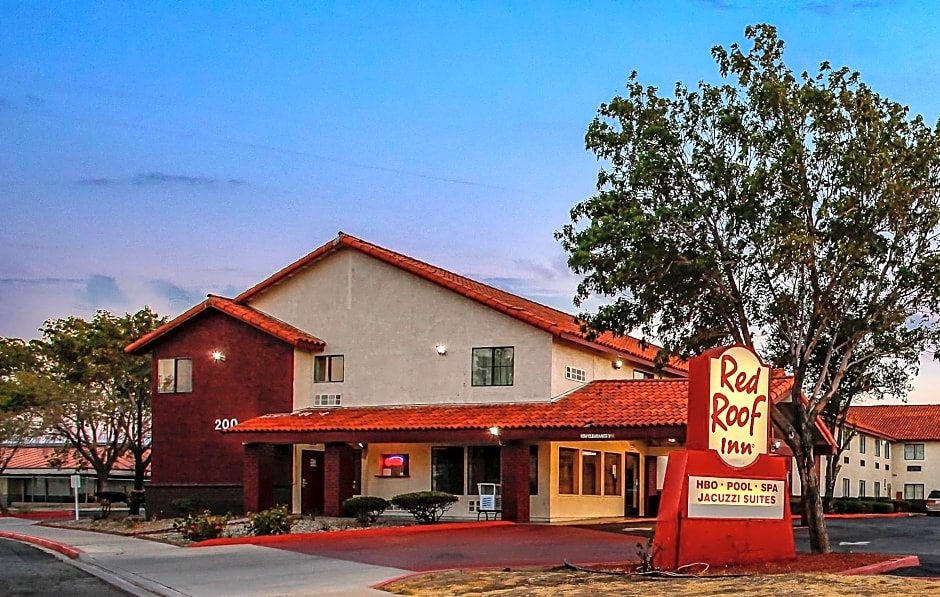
568,583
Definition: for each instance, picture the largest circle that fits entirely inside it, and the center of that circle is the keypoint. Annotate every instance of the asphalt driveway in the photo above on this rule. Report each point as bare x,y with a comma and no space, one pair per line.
510,546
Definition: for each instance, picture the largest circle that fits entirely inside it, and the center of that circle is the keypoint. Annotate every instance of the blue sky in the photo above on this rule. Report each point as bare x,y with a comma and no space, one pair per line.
151,153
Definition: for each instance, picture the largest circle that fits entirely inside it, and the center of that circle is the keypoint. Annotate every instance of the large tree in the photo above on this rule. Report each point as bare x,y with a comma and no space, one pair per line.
93,396
794,214
17,422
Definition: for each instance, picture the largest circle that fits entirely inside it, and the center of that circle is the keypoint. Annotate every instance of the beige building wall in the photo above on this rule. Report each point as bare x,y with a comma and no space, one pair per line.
386,323
595,365
929,473
871,467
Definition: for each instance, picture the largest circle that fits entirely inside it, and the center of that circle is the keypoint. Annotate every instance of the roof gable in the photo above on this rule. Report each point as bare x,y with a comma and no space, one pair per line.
900,421
243,313
558,323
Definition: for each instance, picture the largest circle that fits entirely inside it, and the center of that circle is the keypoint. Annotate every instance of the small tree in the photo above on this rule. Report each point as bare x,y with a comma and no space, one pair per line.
426,506
794,214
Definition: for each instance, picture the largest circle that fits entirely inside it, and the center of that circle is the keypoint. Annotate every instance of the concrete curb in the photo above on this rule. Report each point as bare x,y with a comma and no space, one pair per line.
892,515
329,535
62,548
882,567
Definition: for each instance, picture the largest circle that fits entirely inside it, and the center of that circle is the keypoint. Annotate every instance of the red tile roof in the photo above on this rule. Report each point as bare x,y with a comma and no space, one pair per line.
900,422
244,313
603,403
37,457
556,322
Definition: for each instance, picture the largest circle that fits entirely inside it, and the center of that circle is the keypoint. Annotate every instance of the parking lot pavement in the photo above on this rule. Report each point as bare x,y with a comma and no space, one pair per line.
27,570
510,546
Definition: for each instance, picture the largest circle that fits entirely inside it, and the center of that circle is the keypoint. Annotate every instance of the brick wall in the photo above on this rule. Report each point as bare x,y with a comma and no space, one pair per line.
256,378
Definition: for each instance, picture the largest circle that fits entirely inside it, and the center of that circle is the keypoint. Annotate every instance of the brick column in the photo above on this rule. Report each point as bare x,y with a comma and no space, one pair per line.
337,478
514,474
258,479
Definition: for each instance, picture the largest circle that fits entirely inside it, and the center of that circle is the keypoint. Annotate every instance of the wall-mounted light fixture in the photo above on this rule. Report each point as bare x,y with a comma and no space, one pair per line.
494,431
671,440
218,355
775,445
441,349
617,364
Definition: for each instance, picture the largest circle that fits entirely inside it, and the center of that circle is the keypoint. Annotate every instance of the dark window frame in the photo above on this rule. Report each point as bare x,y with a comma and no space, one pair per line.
493,374
175,389
448,469
325,369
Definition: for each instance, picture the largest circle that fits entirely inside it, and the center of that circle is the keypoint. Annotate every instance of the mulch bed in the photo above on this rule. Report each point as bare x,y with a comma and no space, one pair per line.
806,563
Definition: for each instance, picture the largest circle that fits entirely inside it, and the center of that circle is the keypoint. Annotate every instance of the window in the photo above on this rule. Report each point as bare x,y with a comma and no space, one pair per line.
887,466
846,487
913,451
575,374
492,366
861,444
482,466
175,376
590,472
328,368
877,489
861,463
861,488
911,468
612,472
640,374
913,491
533,470
357,471
567,471
327,400
887,450
845,460
447,470
393,465
877,465
877,447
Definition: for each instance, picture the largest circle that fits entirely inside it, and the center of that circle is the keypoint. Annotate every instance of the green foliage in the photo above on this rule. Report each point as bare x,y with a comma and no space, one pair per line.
366,509
798,209
883,508
426,506
901,505
200,526
273,521
796,507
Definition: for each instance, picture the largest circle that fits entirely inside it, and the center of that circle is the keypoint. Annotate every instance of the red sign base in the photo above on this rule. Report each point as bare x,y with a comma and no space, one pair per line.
681,540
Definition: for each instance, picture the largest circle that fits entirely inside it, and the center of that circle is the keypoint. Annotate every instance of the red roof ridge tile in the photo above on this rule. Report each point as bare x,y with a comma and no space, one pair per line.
244,313
542,316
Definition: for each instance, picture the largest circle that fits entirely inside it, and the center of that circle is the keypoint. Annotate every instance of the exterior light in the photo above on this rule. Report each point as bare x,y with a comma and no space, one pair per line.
218,355
775,445
671,440
617,364
494,431
441,349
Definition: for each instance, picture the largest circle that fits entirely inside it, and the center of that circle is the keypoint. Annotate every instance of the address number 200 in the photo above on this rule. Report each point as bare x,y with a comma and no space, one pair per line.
224,424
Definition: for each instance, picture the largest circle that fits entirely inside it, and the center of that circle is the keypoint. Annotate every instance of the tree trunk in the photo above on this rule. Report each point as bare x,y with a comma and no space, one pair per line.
833,466
812,503
3,506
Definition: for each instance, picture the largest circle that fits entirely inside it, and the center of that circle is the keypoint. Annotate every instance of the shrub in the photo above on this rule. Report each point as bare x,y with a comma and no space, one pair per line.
201,526
426,506
106,498
883,508
273,521
366,509
901,506
796,507
853,506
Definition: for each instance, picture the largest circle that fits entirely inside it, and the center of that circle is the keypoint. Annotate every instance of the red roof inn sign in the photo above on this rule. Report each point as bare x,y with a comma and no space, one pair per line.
725,498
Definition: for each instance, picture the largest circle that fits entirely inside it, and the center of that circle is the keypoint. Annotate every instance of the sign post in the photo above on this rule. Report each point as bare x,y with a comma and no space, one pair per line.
725,498
76,482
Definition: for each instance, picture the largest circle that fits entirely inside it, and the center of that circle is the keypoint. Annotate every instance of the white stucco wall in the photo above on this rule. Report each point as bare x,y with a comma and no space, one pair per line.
387,322
596,365
928,476
864,467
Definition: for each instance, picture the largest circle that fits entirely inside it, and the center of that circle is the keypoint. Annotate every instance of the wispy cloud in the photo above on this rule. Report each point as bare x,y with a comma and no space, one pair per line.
839,7
146,179
26,281
717,4
26,103
175,294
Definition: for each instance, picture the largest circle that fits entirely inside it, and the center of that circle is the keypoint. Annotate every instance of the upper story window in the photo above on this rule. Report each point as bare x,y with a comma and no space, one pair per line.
575,374
913,451
887,449
640,374
861,444
877,447
328,368
492,366
174,376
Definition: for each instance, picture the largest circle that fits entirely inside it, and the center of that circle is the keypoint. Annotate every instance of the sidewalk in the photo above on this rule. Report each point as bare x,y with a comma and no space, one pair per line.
145,567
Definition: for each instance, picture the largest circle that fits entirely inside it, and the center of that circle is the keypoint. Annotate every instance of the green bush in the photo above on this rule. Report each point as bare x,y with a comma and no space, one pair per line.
273,521
426,506
853,506
883,508
366,509
201,526
796,507
901,505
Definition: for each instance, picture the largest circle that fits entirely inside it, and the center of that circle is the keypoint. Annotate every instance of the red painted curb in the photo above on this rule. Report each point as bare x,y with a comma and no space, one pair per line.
62,548
880,567
41,514
893,515
327,535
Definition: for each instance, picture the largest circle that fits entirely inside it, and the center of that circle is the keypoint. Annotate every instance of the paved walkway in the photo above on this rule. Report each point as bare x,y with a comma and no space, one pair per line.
145,567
